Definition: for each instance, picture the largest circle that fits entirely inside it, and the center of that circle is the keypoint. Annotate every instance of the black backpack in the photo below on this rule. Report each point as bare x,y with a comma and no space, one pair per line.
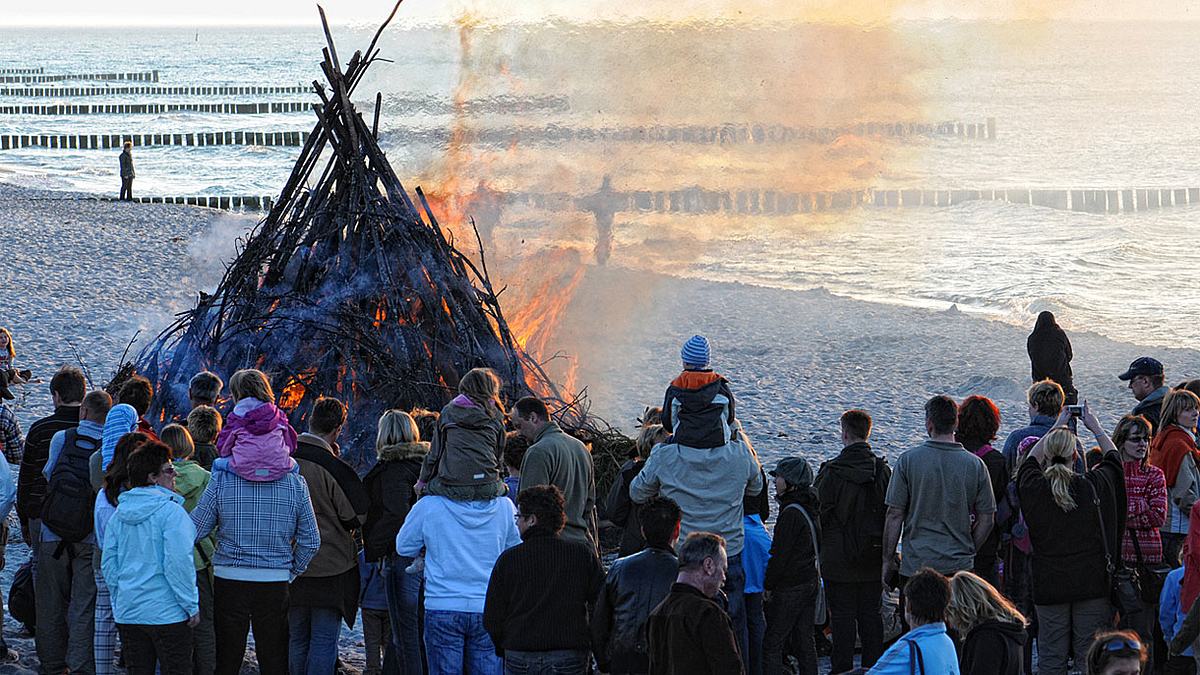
21,603
864,535
70,502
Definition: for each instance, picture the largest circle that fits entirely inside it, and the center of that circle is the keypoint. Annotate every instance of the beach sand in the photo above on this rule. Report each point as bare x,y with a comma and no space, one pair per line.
91,274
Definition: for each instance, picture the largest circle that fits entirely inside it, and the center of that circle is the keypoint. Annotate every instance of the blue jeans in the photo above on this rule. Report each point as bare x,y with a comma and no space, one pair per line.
313,641
403,653
556,662
457,644
735,592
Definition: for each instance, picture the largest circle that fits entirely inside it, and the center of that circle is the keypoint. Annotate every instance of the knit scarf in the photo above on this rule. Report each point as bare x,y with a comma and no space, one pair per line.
1169,448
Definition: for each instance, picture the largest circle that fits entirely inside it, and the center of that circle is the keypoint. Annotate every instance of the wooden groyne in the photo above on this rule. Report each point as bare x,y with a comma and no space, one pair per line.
41,78
107,141
726,134
697,200
222,90
228,203
156,108
21,71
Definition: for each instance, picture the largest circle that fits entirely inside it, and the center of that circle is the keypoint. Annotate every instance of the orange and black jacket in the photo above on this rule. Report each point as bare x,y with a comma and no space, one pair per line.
698,409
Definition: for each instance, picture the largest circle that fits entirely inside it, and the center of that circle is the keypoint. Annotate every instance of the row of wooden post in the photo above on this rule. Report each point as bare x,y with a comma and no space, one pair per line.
40,78
156,108
223,90
106,141
235,203
22,71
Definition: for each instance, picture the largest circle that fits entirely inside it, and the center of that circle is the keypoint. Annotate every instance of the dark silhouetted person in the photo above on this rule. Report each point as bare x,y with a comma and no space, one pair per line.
689,633
127,173
1050,355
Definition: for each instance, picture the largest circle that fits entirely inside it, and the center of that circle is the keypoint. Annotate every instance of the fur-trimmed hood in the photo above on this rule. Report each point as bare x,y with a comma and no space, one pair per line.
399,451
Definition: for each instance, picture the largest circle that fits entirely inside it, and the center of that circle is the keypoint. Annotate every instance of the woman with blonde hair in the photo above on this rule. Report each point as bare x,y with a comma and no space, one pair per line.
389,484
1174,451
993,629
257,441
464,455
1074,521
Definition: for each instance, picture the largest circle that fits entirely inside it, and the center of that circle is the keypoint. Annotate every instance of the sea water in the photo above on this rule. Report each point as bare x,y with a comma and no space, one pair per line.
1105,105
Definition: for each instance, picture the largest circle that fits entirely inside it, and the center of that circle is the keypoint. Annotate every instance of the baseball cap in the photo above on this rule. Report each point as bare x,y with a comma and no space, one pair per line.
1143,366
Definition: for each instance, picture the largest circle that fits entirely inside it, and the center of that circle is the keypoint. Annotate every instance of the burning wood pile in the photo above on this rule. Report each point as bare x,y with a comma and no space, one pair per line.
348,288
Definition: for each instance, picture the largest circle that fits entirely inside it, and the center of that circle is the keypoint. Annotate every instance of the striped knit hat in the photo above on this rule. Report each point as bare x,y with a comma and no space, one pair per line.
695,352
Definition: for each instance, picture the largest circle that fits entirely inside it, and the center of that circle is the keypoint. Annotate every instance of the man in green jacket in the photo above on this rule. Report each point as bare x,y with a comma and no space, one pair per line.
554,458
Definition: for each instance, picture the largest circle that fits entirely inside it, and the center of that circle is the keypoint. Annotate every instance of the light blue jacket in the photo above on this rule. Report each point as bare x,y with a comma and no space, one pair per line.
937,650
1170,613
462,541
8,487
755,552
147,561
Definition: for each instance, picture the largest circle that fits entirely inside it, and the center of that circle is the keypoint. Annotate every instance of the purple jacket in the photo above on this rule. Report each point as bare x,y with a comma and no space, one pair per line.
258,440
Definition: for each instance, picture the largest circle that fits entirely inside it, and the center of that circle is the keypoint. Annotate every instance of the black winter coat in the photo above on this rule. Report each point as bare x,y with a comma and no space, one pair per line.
389,487
793,561
1068,551
633,588
994,648
851,488
622,512
1050,353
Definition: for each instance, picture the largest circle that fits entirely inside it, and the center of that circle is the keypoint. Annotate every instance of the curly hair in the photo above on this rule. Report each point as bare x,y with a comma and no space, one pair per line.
978,421
546,503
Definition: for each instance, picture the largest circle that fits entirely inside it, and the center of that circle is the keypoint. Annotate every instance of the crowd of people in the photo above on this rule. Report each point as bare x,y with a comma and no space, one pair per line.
473,544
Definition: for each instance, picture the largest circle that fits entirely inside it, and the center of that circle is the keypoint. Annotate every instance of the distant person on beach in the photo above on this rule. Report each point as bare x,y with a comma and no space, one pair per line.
464,454
127,174
698,409
978,422
689,633
204,424
941,497
555,458
148,566
399,450
1046,400
1146,379
67,389
851,489
65,583
792,579
327,593
1173,450
1050,355
926,647
204,389
1074,525
542,591
257,440
635,585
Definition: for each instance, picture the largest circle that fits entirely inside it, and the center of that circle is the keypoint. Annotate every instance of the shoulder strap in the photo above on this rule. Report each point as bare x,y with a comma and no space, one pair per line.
811,532
916,660
1108,561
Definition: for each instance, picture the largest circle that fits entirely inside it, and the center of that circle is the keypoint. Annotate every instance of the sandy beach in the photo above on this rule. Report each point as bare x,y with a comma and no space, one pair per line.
90,275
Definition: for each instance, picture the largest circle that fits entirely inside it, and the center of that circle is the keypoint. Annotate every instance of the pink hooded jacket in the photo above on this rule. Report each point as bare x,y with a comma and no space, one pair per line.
259,441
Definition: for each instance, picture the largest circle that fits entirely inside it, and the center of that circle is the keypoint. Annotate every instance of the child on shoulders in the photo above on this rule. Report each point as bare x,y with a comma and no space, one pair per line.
698,409
257,441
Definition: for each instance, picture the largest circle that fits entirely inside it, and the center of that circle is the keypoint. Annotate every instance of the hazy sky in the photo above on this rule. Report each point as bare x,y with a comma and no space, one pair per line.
157,12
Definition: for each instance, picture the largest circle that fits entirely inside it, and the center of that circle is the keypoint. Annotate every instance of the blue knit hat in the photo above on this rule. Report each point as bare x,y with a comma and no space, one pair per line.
695,352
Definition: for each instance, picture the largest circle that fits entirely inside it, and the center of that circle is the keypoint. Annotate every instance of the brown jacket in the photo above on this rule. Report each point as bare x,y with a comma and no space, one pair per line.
690,634
336,515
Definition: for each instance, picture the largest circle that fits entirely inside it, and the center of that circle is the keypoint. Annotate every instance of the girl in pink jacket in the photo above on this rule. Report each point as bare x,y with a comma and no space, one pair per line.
257,441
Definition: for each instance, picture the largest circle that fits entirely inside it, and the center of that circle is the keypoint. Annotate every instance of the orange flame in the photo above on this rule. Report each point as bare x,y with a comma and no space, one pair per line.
295,389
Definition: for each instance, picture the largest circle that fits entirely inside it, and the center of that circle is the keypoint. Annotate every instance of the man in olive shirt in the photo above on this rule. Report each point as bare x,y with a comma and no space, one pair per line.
941,496
554,458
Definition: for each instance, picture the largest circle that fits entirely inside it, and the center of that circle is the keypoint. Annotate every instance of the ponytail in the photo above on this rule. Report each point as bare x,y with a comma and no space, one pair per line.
1059,450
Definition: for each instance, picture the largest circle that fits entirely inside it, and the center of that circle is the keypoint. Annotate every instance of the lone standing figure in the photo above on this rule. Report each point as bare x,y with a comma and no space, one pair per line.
127,173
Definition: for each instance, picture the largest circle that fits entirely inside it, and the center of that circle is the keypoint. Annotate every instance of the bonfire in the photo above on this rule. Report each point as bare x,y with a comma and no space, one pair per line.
349,288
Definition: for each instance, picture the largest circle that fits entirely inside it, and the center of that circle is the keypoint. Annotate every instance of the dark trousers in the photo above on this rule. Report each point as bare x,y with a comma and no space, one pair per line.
168,646
790,615
65,589
575,661
126,189
756,627
855,608
239,606
735,594
204,638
